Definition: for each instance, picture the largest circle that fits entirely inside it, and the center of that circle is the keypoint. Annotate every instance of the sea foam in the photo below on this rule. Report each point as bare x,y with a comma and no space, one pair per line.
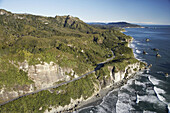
159,91
169,108
137,51
153,80
137,98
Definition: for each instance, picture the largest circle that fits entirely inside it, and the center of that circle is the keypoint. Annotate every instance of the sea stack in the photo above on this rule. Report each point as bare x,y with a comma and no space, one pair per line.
155,49
158,55
150,65
144,52
166,74
147,40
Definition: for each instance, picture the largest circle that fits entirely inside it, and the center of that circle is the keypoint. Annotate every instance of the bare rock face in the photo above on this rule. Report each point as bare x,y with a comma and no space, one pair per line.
104,83
3,12
58,109
46,75
129,70
6,95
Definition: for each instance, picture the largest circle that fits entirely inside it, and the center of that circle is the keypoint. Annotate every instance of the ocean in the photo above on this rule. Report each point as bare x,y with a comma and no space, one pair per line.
147,92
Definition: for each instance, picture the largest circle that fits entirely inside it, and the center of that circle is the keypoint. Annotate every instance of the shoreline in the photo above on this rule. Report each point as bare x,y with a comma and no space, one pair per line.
94,101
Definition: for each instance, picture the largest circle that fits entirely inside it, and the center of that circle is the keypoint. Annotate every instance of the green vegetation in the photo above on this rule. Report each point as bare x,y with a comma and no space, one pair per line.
120,64
114,25
55,97
103,72
64,40
9,79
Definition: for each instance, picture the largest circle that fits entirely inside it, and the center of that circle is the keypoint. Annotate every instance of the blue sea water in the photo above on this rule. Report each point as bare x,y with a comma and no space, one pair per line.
149,92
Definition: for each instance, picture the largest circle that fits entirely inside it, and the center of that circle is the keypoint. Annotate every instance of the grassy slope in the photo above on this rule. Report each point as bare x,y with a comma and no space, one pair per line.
61,40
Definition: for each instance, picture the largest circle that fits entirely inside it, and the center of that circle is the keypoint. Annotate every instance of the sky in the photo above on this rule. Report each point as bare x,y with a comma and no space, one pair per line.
133,11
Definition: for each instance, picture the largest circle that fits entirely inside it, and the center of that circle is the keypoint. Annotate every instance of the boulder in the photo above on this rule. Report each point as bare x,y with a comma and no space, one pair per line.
150,65
147,40
144,52
155,49
166,74
158,55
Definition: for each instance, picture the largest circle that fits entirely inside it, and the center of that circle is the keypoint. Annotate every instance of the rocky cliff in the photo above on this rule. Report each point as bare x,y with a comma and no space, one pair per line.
37,52
114,77
129,70
44,75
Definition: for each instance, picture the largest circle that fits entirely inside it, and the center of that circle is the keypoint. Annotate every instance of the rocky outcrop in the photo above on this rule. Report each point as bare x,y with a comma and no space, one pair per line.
69,107
155,49
113,78
129,70
4,12
17,91
158,55
144,52
44,75
147,40
47,75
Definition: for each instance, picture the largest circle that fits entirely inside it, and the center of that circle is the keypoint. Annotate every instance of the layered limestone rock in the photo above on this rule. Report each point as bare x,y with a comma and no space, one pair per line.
129,70
44,75
114,77
6,94
72,105
66,107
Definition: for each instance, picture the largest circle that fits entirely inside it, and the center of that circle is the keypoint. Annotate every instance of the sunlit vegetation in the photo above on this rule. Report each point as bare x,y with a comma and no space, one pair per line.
55,97
64,40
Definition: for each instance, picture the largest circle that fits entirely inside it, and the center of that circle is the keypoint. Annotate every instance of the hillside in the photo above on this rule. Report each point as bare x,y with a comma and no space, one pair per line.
113,25
38,52
123,24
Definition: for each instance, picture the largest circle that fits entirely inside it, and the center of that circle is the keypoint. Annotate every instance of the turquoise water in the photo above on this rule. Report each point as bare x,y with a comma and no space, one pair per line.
149,91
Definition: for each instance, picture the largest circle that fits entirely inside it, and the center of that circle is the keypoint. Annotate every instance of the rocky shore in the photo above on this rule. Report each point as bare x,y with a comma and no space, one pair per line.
103,92
118,79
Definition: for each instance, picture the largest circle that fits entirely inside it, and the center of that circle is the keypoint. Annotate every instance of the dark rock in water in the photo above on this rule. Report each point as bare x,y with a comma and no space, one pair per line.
158,55
144,52
155,49
150,65
147,40
166,74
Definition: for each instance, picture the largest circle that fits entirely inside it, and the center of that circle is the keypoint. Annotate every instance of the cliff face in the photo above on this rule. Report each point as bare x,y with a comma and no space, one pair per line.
129,70
113,78
44,75
6,94
70,46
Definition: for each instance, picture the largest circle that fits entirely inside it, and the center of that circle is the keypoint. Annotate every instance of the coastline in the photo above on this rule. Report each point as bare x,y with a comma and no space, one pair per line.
94,101
157,93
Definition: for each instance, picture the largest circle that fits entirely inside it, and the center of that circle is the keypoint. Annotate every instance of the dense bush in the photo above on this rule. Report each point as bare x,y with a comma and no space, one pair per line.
66,41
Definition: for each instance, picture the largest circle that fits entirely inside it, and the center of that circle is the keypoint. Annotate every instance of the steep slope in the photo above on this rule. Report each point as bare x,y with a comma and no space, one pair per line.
37,52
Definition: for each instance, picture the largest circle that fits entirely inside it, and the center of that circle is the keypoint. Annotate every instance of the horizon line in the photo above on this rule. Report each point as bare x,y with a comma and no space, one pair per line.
97,21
